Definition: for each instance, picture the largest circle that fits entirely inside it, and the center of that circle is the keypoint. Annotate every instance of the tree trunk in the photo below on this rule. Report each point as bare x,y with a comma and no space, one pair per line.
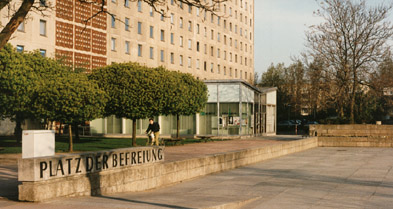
177,125
71,149
18,131
353,98
14,22
134,132
76,130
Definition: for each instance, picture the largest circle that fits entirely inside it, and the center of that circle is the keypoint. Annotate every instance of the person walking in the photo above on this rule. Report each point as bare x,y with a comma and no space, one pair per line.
155,128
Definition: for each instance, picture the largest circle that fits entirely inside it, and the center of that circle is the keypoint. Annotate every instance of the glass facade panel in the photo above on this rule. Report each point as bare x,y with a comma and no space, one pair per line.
114,125
208,123
229,119
128,127
97,126
187,125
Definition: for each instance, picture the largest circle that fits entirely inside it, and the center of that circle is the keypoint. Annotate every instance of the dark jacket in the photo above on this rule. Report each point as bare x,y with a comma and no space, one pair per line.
153,127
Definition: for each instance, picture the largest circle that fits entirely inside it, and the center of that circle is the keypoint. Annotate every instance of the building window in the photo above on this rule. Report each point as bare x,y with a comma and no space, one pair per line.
43,52
139,28
212,34
20,48
197,64
189,62
172,2
230,72
172,39
181,22
162,15
181,5
218,53
225,70
218,20
235,73
151,53
127,24
162,35
197,46
172,18
172,58
140,50
218,37
127,47
181,60
197,11
205,66
189,9
139,6
181,41
189,26
113,21
42,27
21,27
212,18
189,44
162,55
211,51
197,28
218,69
113,44
151,12
126,3
212,67
151,32
43,3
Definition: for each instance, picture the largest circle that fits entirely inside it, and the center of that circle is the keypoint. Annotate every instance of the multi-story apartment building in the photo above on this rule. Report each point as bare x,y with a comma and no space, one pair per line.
180,37
210,46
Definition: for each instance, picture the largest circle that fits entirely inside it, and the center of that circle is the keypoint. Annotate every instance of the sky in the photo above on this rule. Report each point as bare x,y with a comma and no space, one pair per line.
280,27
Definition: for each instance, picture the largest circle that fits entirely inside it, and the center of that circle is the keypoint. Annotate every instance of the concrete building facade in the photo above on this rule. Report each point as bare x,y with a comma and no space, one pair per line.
210,46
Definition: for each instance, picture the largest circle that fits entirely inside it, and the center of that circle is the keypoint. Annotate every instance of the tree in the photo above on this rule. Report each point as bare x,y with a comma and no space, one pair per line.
185,96
63,95
350,43
19,15
18,83
135,91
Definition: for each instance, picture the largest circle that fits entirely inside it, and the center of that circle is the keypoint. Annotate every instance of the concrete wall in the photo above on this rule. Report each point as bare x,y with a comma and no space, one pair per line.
156,175
353,135
352,130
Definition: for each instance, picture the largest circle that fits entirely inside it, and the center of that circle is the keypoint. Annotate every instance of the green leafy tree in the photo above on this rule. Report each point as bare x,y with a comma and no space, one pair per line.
18,83
185,96
63,95
135,91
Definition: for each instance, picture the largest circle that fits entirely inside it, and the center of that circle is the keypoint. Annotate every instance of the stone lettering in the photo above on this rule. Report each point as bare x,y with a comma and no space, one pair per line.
154,154
139,157
69,165
43,166
127,157
89,164
160,154
98,163
51,169
104,161
60,167
78,165
133,160
121,158
114,160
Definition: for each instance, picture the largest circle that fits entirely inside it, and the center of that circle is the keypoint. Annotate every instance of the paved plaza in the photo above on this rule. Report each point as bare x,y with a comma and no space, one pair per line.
316,178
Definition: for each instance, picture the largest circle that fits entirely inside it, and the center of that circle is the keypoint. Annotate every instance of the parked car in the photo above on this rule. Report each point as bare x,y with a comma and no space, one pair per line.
285,125
306,127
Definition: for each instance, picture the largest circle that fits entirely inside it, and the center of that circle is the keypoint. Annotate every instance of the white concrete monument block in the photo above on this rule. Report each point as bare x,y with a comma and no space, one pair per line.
38,143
